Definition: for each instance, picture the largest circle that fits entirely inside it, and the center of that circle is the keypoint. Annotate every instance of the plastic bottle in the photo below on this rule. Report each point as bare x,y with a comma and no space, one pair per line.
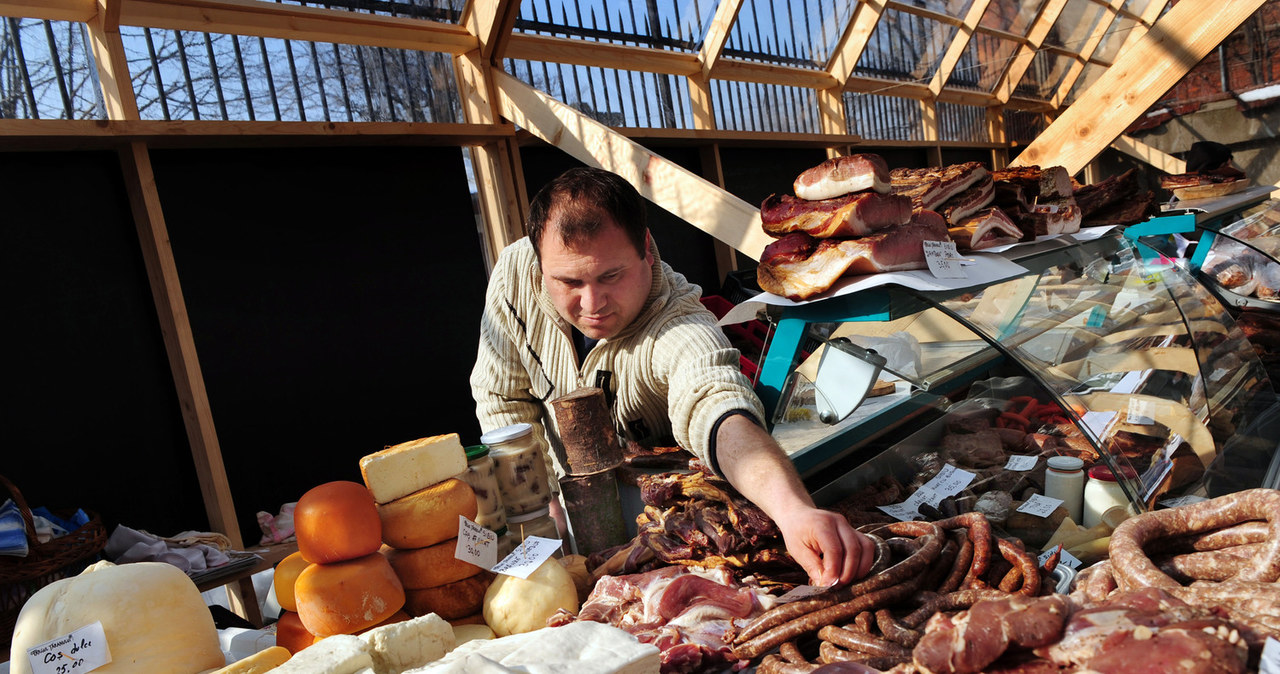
1064,480
1103,492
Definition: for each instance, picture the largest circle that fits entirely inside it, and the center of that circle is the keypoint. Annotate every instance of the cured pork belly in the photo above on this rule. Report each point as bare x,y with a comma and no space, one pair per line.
969,201
843,175
850,215
930,187
1057,216
1048,183
985,229
799,266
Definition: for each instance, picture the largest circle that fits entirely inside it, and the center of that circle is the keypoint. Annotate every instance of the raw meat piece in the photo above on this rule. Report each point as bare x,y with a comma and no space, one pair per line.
851,215
843,175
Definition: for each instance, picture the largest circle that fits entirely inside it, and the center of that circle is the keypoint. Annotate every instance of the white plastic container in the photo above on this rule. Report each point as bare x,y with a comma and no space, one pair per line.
1064,480
1102,492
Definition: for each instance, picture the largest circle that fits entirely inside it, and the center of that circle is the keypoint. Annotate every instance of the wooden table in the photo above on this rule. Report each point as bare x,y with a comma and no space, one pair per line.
241,596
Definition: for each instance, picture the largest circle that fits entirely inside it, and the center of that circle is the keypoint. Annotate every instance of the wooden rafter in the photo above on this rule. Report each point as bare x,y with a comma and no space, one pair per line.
958,44
491,22
1150,155
51,10
856,35
1036,34
291,22
924,13
1149,16
665,183
1086,52
1140,77
113,66
717,35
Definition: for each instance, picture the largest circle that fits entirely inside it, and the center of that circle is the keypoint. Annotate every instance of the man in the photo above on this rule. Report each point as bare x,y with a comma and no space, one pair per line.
585,301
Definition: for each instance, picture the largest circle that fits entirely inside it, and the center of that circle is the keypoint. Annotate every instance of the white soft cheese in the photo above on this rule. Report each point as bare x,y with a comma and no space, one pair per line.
338,654
405,468
582,647
409,643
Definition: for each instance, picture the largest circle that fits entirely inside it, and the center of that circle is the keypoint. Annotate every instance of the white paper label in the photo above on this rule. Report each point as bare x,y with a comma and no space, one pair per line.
1019,462
83,650
1065,558
1141,412
948,482
527,556
1180,501
1040,505
476,544
1270,663
943,259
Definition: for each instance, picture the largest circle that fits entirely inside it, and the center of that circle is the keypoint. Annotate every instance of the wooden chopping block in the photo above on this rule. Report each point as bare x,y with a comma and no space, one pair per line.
586,432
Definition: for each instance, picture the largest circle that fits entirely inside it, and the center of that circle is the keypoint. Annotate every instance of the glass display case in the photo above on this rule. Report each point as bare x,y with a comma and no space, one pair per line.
1098,351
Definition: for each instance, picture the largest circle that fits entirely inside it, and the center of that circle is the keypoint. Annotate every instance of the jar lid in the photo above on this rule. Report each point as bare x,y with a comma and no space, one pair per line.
531,515
1065,463
506,433
476,451
1105,474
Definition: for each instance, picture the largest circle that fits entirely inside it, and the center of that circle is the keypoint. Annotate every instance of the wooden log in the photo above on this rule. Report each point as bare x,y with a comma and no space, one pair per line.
595,511
586,431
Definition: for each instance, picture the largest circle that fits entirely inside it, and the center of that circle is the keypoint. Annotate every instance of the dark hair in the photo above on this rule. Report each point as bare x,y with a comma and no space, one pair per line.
580,198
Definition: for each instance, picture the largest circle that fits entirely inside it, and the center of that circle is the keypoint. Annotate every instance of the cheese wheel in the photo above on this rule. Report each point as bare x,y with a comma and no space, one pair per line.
405,468
285,576
346,597
452,601
291,633
337,521
473,619
259,663
427,516
470,632
431,566
517,605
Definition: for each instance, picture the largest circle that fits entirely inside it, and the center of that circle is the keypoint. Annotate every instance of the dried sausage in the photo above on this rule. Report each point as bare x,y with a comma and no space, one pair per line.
1100,582
1023,562
830,653
980,534
959,568
791,653
895,631
773,664
862,642
948,602
1209,565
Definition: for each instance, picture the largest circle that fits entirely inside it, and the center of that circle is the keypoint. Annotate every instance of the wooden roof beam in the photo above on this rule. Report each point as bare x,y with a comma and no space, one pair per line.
1086,53
1027,52
1150,155
1149,16
959,43
856,35
1140,77
51,10
109,57
491,22
291,22
717,35
925,13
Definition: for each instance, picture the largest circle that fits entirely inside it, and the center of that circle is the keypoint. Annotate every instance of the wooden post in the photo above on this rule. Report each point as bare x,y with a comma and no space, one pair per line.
590,487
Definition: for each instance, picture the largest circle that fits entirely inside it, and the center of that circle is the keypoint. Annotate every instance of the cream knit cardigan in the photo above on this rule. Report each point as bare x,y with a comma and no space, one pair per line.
670,374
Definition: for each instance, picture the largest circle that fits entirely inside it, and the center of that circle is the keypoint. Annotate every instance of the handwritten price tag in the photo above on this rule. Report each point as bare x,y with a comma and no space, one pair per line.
83,650
948,482
943,259
527,556
1065,558
1040,505
476,544
1017,462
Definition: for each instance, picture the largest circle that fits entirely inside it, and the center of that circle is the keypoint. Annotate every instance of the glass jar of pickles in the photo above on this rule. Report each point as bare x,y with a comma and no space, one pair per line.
520,468
482,477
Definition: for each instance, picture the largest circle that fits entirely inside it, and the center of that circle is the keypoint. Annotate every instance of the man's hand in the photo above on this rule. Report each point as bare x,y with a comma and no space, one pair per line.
822,542
825,546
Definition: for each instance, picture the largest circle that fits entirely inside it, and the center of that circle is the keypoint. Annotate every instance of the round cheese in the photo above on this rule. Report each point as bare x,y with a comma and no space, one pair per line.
464,633
337,521
346,597
427,516
516,605
151,613
285,576
452,601
291,633
431,566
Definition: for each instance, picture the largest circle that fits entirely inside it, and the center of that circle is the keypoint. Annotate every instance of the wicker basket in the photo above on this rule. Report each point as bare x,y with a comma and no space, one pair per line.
61,557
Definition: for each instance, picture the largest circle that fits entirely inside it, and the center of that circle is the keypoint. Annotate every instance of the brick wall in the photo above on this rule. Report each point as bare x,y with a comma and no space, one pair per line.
1253,60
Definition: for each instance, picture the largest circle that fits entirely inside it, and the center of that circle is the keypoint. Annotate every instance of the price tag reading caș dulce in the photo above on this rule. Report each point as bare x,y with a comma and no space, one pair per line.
83,650
476,544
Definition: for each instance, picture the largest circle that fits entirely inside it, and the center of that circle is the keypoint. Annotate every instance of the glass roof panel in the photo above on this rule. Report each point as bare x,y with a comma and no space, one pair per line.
952,7
751,106
1045,74
48,71
449,11
1075,24
877,117
1137,6
965,123
1011,16
1090,75
1114,38
984,61
618,98
905,47
799,32
678,25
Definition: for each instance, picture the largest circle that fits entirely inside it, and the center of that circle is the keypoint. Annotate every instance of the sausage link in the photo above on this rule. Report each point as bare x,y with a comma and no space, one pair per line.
980,533
948,602
1134,570
1024,563
895,631
959,568
864,621
1244,533
1208,565
902,547
1051,562
1012,580
829,653
862,642
883,556
791,653
1101,581
934,576
773,664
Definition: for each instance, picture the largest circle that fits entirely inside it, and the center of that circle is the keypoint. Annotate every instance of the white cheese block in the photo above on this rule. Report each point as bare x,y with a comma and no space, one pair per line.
464,633
151,613
582,647
259,663
409,643
410,466
338,654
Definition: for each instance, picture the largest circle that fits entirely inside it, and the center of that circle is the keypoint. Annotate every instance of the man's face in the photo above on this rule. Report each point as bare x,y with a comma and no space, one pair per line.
600,284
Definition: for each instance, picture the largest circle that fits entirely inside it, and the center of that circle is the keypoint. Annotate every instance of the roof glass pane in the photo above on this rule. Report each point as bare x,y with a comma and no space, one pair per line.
750,106
449,11
1114,38
799,32
1011,16
983,63
904,47
620,98
1138,7
965,123
1045,74
877,117
46,71
1090,75
952,7
665,24
1075,24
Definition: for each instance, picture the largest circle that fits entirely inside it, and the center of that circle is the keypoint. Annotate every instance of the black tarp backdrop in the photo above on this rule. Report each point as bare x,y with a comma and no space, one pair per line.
335,297
91,418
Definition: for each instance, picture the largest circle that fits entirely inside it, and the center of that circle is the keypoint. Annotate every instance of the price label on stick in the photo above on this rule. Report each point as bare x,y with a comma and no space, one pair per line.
1022,463
83,650
1040,505
476,544
943,259
1065,558
527,556
948,482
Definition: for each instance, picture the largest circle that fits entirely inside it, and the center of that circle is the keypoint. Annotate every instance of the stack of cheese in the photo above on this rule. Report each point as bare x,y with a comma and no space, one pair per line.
419,501
345,586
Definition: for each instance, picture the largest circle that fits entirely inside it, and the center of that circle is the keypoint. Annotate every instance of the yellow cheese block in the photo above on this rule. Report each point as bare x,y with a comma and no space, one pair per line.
427,516
258,663
432,566
398,471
